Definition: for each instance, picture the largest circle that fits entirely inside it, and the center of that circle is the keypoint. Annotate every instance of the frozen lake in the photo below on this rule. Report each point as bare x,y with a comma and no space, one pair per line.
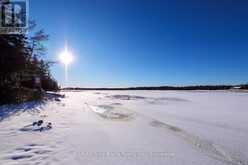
128,127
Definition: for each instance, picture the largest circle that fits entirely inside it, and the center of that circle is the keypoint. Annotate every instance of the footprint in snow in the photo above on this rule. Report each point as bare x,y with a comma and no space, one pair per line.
29,152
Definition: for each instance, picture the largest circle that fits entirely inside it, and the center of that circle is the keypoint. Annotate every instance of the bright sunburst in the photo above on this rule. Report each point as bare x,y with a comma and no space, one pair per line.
66,57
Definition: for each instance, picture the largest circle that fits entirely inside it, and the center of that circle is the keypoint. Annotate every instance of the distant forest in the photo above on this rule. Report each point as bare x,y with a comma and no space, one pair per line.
196,87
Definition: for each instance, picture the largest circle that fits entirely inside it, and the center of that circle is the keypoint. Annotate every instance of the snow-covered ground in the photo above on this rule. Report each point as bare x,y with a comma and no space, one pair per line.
128,127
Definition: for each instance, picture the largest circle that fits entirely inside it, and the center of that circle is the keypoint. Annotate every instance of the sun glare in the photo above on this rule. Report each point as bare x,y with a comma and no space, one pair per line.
66,57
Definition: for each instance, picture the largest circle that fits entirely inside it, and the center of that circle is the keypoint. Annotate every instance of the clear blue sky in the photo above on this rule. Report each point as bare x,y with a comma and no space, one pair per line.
147,42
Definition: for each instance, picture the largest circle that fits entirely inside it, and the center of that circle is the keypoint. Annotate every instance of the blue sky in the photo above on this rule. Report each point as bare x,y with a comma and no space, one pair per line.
147,42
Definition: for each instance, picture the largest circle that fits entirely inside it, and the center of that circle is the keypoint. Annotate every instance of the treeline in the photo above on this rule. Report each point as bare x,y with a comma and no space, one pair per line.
244,86
197,87
21,65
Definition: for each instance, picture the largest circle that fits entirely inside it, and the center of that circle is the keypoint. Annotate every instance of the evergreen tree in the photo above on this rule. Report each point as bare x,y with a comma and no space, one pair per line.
20,61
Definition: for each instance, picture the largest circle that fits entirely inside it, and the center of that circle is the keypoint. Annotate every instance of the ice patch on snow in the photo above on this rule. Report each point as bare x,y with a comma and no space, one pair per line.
126,97
111,113
98,109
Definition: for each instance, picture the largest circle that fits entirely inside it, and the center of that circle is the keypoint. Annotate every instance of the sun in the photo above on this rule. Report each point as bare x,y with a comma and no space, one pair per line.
66,57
